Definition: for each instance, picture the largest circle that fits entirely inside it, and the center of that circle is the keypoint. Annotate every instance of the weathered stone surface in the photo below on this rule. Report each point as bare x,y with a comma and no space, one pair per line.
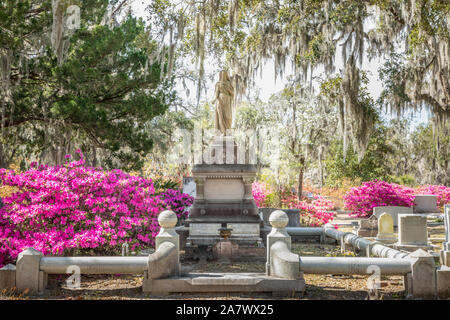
8,277
284,263
278,220
223,196
225,282
367,227
425,203
445,258
443,282
423,271
165,261
393,211
412,229
224,250
27,272
386,229
446,244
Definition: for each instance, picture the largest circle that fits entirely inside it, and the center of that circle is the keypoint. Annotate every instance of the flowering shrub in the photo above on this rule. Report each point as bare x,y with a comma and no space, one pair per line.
442,193
260,192
312,214
58,210
361,200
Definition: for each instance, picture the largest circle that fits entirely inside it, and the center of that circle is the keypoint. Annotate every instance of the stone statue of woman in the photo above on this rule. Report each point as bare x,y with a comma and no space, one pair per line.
224,97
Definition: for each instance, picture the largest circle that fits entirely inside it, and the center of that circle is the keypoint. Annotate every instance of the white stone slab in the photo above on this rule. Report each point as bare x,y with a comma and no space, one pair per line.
244,229
224,189
393,211
425,203
204,229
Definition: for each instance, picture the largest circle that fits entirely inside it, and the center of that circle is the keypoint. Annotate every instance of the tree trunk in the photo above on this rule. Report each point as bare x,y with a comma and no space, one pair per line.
300,178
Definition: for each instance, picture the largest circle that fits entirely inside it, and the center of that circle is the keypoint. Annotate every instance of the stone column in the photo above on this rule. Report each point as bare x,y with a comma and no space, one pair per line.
27,272
278,220
165,261
423,275
168,220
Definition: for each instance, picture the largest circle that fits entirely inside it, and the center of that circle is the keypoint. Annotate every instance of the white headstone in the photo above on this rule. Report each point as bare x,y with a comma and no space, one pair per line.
425,203
393,211
412,229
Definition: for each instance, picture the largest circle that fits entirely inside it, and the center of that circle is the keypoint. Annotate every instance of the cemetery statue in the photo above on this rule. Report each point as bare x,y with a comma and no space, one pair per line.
223,98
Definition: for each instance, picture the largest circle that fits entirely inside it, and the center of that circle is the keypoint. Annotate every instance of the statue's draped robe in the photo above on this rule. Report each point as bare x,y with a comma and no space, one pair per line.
224,101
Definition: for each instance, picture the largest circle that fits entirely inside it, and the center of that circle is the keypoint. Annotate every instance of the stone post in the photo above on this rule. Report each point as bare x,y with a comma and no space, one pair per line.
27,271
423,275
168,220
165,261
278,220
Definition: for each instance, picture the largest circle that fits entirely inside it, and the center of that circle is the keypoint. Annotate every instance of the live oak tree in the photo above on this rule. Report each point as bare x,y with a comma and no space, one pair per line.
92,88
242,34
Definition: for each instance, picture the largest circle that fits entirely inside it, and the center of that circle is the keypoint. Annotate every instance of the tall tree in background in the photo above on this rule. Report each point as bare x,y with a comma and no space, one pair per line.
94,89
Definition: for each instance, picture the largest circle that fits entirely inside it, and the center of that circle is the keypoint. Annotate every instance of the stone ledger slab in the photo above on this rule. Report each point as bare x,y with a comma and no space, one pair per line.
223,282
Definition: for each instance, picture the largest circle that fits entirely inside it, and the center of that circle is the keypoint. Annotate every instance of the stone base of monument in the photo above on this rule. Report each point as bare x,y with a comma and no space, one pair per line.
219,251
224,282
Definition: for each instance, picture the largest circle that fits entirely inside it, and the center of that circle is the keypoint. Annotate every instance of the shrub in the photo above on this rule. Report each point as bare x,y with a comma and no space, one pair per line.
361,200
312,214
72,208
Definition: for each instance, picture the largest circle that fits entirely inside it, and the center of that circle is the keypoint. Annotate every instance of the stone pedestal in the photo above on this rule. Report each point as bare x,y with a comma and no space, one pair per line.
223,198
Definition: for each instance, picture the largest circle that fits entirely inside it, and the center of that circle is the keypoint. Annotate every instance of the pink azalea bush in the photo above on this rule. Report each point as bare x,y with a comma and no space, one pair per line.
73,208
260,192
440,191
361,200
313,214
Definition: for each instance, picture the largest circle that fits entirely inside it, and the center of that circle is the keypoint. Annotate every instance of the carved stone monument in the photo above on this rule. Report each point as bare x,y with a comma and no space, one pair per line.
223,179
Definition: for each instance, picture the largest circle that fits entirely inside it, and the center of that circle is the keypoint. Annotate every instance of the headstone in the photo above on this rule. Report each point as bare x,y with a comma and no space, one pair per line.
423,272
443,282
7,277
386,229
412,232
393,211
368,227
425,203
